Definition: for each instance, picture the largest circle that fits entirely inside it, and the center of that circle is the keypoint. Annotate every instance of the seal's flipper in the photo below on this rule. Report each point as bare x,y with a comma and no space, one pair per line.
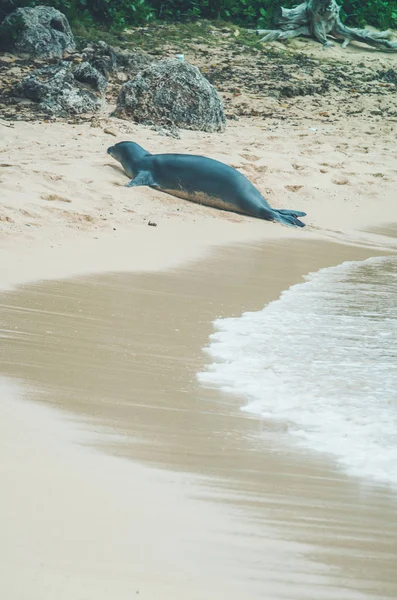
143,178
291,220
288,219
291,213
296,222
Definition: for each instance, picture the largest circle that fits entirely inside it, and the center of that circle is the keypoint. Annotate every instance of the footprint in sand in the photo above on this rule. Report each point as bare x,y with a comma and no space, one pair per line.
250,157
6,219
49,176
332,166
53,197
293,188
260,168
29,214
298,167
340,181
74,218
81,218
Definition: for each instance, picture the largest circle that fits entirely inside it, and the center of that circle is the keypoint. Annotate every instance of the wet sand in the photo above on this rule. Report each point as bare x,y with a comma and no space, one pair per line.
208,503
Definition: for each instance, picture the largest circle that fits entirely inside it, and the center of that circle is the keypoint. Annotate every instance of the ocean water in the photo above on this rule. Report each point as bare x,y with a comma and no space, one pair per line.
321,363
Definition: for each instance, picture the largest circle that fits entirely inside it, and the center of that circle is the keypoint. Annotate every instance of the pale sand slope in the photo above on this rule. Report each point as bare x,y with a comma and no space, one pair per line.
64,208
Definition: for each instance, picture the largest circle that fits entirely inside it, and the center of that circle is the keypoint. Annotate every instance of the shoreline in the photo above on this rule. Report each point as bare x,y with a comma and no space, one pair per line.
140,248
189,446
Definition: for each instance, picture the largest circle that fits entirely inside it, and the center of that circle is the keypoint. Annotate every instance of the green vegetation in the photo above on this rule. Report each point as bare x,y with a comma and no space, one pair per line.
181,36
379,13
115,15
11,30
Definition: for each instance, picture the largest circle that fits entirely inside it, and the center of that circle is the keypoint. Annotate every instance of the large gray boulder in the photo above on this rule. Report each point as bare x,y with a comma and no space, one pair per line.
170,92
63,89
41,32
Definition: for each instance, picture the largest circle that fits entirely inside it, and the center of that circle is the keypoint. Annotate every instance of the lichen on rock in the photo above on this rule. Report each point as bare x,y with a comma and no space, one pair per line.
41,32
170,92
110,60
101,56
87,74
63,89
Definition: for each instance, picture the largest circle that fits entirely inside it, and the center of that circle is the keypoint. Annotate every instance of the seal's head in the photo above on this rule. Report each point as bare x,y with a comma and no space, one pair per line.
129,154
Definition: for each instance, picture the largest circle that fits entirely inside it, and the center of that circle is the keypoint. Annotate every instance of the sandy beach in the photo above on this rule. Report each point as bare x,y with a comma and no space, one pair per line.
121,475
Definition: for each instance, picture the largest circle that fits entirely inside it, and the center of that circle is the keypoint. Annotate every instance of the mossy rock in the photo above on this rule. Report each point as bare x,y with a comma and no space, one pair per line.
41,32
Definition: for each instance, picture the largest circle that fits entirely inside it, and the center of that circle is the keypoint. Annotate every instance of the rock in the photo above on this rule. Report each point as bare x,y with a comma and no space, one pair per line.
7,58
86,73
131,63
121,77
41,31
101,56
63,89
170,131
170,92
107,60
15,71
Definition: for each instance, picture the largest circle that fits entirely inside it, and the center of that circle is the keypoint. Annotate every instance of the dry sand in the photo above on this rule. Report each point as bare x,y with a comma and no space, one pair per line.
200,511
64,208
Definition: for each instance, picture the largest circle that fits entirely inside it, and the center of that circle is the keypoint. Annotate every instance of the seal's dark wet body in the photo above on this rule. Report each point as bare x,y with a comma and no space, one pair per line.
199,179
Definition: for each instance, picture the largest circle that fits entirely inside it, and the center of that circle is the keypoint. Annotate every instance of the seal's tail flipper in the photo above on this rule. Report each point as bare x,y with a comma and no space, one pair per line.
295,221
143,178
288,218
292,213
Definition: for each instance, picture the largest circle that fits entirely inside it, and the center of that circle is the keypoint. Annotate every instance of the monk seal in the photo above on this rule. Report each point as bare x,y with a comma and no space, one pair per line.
199,179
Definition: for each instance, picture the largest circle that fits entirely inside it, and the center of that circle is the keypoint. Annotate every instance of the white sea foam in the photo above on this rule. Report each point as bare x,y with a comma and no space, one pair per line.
322,360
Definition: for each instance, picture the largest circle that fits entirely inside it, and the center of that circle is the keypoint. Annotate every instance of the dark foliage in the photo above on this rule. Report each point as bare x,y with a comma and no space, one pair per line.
116,14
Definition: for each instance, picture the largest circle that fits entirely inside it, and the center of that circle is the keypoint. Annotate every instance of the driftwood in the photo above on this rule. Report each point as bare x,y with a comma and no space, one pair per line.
318,18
